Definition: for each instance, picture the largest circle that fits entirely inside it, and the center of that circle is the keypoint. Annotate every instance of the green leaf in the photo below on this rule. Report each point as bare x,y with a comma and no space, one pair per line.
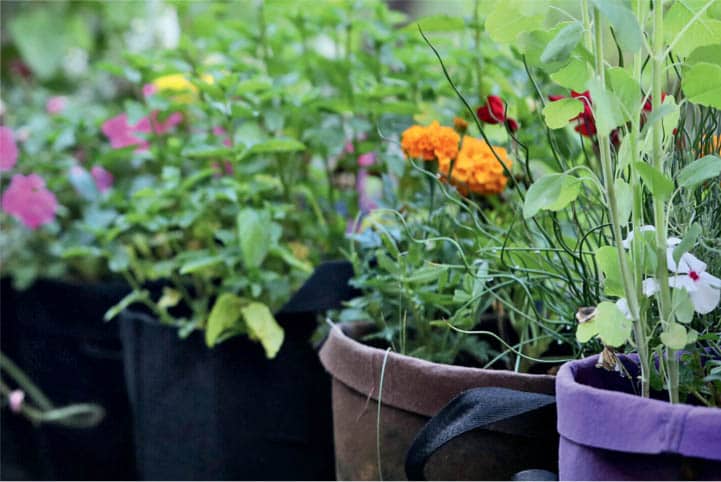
558,113
83,183
552,192
656,182
613,326
512,17
128,300
688,242
682,306
559,49
586,331
606,108
574,75
674,337
262,326
277,145
702,84
626,90
39,36
607,260
624,199
708,167
223,317
437,23
703,31
623,21
119,260
200,264
81,252
254,236
710,54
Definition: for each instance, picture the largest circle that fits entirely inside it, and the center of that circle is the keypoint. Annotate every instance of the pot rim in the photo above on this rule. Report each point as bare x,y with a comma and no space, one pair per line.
601,418
407,379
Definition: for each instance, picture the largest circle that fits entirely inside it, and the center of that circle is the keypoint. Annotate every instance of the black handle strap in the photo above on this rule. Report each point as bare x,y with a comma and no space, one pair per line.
472,409
326,288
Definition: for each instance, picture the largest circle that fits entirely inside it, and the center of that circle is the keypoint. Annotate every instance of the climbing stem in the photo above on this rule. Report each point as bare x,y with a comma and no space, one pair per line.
604,143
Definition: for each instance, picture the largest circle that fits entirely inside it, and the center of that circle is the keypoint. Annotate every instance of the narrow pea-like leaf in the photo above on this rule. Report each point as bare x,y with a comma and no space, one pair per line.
688,242
700,170
623,21
560,48
656,182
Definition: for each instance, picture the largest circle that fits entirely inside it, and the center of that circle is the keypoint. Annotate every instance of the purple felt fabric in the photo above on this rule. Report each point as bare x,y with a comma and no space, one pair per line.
601,422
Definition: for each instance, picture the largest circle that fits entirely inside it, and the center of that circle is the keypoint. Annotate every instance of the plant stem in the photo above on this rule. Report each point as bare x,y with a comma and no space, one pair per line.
659,211
608,177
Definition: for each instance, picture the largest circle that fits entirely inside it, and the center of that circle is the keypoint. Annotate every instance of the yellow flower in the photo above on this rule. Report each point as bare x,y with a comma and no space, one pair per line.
430,142
476,168
179,83
460,124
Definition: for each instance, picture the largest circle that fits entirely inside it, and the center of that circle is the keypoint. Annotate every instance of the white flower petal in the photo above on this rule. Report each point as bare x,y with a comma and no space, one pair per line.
705,299
689,262
683,281
629,238
710,280
622,305
673,241
650,287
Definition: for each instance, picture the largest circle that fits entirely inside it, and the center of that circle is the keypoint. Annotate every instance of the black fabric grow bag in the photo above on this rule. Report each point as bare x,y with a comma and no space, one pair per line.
228,412
54,331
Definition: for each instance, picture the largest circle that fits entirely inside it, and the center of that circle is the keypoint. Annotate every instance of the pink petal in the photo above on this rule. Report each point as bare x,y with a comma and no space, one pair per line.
56,104
149,89
349,147
27,200
8,149
120,133
367,159
162,127
16,399
103,178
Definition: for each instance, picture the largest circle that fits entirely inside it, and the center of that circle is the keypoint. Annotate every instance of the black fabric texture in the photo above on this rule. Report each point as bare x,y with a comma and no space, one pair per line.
54,331
527,413
229,413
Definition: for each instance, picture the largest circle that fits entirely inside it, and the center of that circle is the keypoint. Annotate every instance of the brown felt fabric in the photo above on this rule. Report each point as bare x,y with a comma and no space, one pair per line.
414,390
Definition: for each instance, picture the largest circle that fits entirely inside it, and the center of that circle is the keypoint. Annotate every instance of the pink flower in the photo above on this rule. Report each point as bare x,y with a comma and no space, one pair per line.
367,159
227,168
103,178
149,89
159,127
56,104
28,200
8,149
16,399
122,134
349,148
220,132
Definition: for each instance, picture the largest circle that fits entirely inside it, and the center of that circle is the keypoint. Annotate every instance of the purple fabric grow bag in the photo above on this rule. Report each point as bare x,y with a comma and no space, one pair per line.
609,433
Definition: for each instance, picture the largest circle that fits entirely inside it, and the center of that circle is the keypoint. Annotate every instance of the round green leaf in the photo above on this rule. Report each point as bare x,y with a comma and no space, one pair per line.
557,114
613,326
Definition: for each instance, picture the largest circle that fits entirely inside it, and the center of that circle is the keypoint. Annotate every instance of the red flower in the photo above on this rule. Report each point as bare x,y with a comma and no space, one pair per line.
648,106
493,111
586,125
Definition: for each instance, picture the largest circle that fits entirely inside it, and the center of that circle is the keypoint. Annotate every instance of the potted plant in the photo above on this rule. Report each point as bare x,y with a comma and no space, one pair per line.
651,129
219,239
55,174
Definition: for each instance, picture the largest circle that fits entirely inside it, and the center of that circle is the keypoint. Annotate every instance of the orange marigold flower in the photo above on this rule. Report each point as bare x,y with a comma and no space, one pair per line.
460,124
430,142
476,168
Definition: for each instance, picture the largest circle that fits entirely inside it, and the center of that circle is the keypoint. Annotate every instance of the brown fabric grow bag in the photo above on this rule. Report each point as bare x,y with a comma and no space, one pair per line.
413,391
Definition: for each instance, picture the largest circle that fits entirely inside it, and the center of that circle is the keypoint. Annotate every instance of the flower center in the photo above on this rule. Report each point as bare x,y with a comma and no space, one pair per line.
693,275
